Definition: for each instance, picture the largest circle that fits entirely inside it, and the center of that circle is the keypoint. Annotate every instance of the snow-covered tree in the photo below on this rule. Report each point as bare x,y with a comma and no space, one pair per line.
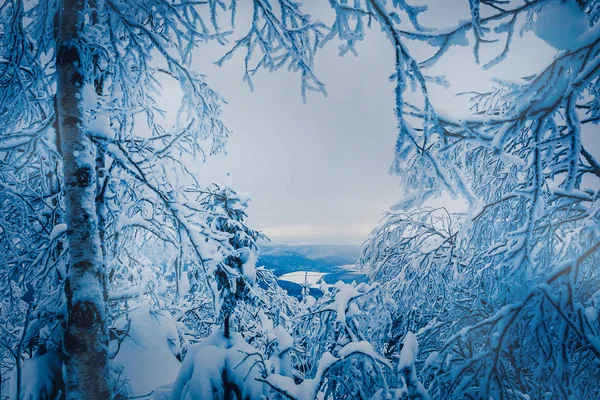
236,274
507,308
88,157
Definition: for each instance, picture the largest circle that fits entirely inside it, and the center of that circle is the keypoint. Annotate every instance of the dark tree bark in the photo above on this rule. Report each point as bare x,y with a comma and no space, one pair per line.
86,336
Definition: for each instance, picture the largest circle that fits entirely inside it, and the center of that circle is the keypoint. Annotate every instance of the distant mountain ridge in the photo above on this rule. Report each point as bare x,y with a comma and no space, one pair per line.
331,253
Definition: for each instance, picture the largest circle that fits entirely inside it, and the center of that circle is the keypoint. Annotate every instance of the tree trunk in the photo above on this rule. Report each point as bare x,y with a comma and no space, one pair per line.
86,336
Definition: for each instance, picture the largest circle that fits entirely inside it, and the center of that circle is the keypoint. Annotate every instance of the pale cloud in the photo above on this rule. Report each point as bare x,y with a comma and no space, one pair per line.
318,172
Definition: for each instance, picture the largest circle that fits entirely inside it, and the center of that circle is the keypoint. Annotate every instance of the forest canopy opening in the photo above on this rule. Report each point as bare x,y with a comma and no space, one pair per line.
126,271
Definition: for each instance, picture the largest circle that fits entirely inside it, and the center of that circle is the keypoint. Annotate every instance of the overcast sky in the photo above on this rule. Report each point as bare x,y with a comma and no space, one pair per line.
318,172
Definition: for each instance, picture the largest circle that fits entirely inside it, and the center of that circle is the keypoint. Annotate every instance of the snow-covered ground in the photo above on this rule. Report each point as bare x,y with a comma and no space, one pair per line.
299,276
147,357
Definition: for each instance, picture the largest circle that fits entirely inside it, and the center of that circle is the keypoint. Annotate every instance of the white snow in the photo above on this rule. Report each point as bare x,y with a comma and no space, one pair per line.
284,339
248,265
591,313
299,277
409,352
217,359
431,243
41,377
433,359
57,231
342,299
184,284
593,310
100,127
362,347
281,361
561,24
308,389
146,357
350,267
9,143
90,98
308,302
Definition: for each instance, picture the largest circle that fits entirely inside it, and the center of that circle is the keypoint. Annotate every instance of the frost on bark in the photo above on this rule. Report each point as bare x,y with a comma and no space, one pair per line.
86,336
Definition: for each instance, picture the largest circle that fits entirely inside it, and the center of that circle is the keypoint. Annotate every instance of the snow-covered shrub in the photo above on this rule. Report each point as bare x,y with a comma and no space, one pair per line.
221,367
515,278
146,353
334,355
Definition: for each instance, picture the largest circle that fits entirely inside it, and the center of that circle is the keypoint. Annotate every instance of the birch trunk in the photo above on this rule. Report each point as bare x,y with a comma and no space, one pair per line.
86,336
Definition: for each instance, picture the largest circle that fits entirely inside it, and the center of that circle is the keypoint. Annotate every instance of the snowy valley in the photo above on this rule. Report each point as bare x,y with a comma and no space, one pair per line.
291,264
